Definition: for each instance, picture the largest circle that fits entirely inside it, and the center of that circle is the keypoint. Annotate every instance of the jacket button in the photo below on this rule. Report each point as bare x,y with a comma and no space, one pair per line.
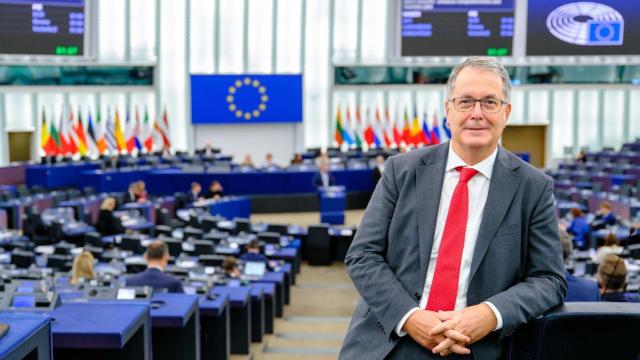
417,296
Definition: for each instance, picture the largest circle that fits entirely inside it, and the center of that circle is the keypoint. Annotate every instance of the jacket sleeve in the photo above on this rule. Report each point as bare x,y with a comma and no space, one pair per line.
366,259
543,285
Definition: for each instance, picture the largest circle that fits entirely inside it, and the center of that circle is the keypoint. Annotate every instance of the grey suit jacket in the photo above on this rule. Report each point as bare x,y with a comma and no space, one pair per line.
517,263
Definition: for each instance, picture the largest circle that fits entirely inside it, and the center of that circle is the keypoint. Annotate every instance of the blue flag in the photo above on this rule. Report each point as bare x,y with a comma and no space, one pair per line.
245,99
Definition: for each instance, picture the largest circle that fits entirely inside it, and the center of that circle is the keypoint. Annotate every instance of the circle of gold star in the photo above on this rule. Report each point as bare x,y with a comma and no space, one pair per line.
247,114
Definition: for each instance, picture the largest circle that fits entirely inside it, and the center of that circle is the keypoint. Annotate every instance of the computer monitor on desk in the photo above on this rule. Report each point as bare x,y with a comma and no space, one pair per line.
38,302
254,269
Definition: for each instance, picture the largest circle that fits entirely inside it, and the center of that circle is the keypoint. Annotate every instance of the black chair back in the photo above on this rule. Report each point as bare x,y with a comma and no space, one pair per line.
578,331
192,233
163,230
132,244
60,262
211,260
242,225
203,247
281,229
269,237
22,259
175,246
318,245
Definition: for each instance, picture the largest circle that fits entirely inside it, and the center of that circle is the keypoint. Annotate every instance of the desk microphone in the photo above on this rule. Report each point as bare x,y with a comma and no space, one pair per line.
632,230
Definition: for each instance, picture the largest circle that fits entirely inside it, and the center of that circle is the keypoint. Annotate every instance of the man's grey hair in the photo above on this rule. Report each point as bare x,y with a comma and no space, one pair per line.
481,63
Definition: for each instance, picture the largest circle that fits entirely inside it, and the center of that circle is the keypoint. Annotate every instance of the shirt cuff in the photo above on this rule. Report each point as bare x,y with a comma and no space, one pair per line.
497,313
398,328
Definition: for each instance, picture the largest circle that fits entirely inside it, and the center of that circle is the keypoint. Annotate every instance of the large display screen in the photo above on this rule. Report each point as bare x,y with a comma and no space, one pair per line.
457,27
55,27
604,27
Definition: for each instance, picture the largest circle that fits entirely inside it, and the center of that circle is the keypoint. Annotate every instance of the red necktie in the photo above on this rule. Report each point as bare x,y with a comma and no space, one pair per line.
444,287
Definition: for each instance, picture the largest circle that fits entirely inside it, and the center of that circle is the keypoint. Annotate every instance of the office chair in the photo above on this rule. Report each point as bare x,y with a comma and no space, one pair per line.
175,246
211,260
281,229
163,230
318,245
203,247
132,244
242,225
269,237
59,262
578,331
162,216
63,248
22,259
216,236
93,239
192,233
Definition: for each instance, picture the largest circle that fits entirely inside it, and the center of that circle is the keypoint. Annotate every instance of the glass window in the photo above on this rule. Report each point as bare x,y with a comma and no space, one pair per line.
289,36
345,30
588,119
231,36
612,129
374,30
111,24
260,36
142,24
562,124
201,34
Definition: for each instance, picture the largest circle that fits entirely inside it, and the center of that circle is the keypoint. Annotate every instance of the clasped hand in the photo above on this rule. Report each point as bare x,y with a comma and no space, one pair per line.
449,332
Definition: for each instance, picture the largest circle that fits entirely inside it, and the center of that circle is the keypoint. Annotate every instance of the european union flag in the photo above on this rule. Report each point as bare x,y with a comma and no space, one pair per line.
245,98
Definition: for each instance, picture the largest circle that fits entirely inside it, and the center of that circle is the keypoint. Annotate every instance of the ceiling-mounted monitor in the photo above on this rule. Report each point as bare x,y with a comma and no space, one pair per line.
456,27
43,28
603,27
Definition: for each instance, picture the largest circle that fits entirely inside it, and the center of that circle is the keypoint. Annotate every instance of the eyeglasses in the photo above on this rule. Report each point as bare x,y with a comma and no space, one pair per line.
488,105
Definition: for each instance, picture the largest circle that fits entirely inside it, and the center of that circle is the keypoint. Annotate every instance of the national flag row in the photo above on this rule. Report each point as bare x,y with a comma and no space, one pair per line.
111,134
385,132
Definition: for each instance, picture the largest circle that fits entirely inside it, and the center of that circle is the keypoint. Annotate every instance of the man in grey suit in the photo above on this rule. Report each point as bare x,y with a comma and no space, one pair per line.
435,282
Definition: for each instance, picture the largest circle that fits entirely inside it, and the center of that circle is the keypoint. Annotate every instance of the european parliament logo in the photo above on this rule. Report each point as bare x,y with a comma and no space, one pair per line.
587,24
246,98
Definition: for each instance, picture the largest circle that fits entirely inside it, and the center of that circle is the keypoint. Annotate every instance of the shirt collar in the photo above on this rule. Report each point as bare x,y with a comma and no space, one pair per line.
485,167
155,267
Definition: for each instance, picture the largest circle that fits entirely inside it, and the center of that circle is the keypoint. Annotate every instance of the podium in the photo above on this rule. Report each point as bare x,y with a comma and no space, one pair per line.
332,204
100,330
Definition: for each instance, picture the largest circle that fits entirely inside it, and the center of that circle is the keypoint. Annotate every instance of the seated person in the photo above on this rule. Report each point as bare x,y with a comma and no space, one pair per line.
195,193
247,162
141,192
230,267
269,163
377,171
604,217
107,223
253,253
215,191
579,228
130,196
82,269
577,289
297,159
157,258
323,177
612,280
611,246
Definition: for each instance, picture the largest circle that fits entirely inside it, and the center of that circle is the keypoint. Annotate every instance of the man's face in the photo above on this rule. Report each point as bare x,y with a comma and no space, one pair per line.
476,129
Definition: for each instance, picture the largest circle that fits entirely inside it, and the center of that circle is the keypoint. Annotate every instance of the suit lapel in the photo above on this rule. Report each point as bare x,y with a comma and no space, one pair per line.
504,183
429,177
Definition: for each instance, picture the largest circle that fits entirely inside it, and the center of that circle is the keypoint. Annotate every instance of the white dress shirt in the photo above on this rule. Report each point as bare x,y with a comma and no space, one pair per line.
478,190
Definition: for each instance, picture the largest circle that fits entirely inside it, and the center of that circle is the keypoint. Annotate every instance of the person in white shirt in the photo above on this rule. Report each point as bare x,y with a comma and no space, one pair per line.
459,244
